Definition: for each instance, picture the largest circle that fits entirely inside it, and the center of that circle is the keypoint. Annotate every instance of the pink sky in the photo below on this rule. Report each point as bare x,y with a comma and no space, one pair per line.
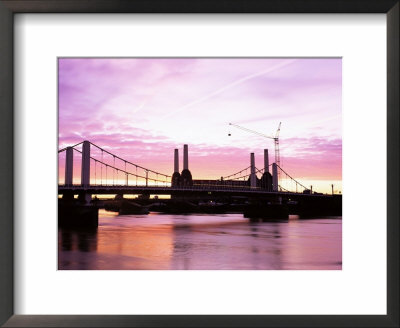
141,109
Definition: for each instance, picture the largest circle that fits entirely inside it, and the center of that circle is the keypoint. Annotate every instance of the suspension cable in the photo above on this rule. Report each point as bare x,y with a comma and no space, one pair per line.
116,156
65,148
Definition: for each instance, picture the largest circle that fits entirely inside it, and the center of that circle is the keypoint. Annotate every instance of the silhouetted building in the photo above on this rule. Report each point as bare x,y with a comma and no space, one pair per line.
266,181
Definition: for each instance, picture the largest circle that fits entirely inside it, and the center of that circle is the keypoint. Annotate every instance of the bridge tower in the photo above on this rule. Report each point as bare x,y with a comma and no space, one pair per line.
176,177
69,166
274,177
85,176
186,176
253,177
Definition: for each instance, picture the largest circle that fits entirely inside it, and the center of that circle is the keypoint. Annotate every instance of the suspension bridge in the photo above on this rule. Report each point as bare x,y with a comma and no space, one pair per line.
121,175
103,172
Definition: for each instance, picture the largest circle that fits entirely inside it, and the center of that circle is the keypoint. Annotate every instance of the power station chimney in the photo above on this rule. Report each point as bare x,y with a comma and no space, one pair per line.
266,161
185,157
176,176
253,178
176,161
186,176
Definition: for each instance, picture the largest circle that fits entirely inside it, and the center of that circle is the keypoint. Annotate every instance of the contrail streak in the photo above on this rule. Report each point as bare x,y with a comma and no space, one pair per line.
229,86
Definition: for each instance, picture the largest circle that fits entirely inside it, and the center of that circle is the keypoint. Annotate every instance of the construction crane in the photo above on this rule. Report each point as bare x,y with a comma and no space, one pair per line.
275,138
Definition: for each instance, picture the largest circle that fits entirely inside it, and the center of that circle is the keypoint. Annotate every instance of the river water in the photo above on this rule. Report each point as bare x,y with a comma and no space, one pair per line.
202,241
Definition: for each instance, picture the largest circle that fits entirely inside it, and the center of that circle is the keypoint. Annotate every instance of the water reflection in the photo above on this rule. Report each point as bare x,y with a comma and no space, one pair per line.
82,240
212,242
72,244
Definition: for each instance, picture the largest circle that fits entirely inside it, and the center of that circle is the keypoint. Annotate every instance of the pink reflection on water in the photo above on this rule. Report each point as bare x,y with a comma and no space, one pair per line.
211,242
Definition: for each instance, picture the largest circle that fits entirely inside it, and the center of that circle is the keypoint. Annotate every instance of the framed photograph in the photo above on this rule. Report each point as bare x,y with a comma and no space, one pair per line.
189,164
125,204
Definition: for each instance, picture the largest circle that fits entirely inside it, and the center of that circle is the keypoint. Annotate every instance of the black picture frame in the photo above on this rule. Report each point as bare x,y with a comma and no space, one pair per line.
10,7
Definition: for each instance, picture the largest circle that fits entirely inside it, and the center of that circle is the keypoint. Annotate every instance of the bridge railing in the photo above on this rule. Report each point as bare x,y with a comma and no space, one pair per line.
160,190
154,189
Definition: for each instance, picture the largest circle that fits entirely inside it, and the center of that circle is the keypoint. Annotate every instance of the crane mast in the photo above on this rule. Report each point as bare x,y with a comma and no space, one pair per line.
275,138
276,141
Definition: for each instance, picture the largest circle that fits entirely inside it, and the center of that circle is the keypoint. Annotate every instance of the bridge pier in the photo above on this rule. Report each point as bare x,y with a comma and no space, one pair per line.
85,198
266,212
68,196
73,215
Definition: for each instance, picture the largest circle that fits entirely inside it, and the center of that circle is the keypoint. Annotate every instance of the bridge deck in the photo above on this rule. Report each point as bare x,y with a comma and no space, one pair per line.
163,190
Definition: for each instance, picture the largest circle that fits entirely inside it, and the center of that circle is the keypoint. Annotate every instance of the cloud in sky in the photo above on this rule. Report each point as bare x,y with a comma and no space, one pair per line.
144,108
